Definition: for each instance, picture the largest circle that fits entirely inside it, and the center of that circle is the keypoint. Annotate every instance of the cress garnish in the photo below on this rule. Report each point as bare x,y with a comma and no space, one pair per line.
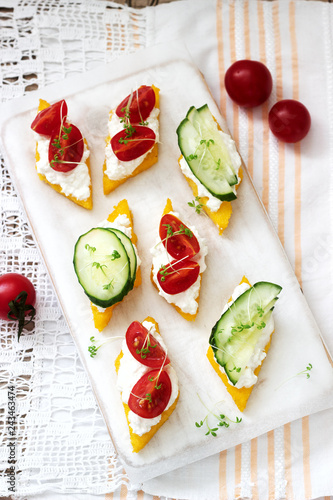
222,420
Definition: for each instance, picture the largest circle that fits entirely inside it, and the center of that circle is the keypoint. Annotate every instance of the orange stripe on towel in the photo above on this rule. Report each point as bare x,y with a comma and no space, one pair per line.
279,95
232,36
223,491
247,48
219,32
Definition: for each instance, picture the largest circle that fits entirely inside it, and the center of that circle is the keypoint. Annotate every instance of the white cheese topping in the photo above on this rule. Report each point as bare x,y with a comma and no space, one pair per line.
122,223
213,203
248,378
129,373
76,182
116,169
186,300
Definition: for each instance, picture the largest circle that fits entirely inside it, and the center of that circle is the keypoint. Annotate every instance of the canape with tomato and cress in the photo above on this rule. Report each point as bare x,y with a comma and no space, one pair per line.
178,263
133,134
62,154
147,381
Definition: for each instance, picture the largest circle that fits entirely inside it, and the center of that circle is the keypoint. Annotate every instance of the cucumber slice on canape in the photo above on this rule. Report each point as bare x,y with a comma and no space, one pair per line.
130,252
196,152
102,266
236,334
204,123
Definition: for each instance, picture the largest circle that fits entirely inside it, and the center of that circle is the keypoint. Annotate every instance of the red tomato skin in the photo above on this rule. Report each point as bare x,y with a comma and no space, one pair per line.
142,104
136,336
289,120
73,149
248,83
182,275
11,284
49,119
181,245
137,401
142,140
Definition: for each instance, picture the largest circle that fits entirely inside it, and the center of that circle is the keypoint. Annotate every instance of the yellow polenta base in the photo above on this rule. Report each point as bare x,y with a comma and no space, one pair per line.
222,215
240,396
83,203
101,319
189,317
139,442
110,185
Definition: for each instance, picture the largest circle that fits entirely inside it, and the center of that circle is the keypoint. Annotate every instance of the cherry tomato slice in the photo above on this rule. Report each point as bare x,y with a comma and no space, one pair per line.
289,120
178,276
248,83
151,394
137,105
50,119
144,347
66,149
181,245
129,148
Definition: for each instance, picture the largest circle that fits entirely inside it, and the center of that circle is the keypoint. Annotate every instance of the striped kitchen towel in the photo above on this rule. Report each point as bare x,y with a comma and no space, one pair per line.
294,39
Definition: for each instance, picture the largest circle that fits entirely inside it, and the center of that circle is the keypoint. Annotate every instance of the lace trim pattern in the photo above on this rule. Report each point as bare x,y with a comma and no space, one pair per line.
60,441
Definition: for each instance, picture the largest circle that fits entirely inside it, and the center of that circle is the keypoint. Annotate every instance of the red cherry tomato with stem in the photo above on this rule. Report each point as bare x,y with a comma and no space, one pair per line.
17,299
66,148
177,238
151,394
248,83
127,148
178,276
50,119
144,347
138,105
289,120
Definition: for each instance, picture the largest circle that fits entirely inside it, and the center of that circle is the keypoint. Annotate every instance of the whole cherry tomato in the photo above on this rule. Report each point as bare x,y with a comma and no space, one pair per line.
136,107
151,394
66,149
17,299
178,276
144,347
289,120
127,148
50,119
177,238
248,83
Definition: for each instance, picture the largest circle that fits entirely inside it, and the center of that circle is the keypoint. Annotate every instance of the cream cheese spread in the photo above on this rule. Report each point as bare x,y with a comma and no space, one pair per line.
213,203
129,373
248,378
122,223
74,183
116,169
186,300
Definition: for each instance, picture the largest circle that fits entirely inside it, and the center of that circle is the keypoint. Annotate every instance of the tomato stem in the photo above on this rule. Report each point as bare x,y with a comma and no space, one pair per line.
19,310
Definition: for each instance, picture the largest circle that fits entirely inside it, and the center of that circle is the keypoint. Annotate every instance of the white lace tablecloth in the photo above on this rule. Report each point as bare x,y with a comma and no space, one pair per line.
62,444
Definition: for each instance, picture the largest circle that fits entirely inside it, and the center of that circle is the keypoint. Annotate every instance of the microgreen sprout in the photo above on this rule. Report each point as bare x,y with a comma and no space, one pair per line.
89,248
108,285
196,205
100,266
115,255
305,372
93,348
146,350
222,420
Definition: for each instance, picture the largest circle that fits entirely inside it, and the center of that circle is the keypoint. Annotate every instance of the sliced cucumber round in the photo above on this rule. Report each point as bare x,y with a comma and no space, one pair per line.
197,154
126,241
207,154
102,266
204,123
237,332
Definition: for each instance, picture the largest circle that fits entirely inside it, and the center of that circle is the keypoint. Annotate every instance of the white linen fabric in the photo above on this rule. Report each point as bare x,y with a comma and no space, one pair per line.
63,448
